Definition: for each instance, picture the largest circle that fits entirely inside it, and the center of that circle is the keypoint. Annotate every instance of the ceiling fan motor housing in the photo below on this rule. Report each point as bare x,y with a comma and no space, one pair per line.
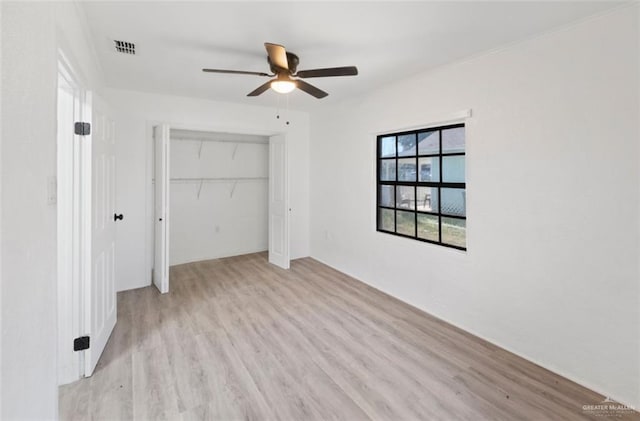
292,62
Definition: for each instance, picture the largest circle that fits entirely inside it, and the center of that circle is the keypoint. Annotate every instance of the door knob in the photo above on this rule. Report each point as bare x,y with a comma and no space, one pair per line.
116,217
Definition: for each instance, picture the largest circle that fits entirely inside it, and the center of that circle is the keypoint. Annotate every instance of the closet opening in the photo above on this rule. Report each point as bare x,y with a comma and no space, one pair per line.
219,200
218,195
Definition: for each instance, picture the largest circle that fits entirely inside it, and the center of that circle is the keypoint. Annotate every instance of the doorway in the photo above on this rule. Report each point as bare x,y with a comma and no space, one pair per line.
85,196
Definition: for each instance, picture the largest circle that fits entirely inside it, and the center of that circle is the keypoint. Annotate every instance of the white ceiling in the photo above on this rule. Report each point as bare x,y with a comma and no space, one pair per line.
386,40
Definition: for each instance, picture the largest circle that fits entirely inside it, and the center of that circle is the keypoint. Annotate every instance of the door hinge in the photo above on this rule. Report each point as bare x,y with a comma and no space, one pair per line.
81,343
82,129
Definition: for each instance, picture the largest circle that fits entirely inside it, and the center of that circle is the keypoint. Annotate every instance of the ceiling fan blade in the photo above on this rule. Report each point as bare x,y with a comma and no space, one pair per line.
277,55
235,72
260,89
310,89
332,71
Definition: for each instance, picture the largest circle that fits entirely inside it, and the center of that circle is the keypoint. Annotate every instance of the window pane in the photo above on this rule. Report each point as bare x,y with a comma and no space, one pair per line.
386,219
453,140
407,169
386,196
405,197
429,143
427,199
388,170
429,169
407,145
428,227
453,169
454,231
454,202
406,223
388,147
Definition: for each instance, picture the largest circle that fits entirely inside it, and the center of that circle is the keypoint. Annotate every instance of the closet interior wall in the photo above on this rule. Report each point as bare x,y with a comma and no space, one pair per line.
219,195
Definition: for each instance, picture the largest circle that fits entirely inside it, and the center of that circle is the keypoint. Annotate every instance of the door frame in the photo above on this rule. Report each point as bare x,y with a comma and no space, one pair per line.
150,207
73,189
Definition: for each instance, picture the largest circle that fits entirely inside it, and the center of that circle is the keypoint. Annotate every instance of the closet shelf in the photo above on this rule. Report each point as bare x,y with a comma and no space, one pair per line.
201,179
255,142
233,142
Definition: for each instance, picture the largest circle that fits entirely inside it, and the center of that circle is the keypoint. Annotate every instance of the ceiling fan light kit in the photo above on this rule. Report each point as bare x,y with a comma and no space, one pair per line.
284,66
283,86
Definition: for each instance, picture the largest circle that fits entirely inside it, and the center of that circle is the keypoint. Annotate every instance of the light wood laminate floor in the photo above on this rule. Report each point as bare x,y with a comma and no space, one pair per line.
237,338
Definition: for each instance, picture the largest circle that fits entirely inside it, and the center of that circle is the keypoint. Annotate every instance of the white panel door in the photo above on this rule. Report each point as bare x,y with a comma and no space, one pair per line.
161,199
278,202
100,314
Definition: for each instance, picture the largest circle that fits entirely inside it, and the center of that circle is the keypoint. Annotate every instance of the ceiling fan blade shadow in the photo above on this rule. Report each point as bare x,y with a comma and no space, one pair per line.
331,71
277,55
236,72
260,89
310,89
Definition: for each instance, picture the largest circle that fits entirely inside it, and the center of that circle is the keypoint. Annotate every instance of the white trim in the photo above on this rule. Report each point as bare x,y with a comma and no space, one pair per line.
373,192
74,231
68,231
443,120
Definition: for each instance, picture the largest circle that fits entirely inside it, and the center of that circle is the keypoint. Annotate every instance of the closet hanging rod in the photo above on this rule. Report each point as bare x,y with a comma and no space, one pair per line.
255,142
200,179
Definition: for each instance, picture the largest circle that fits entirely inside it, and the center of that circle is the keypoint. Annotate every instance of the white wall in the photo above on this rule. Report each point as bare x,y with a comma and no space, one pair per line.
32,33
28,223
227,218
136,113
551,271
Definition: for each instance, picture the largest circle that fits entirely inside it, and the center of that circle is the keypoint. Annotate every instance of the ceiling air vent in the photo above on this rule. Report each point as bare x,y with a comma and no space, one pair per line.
125,47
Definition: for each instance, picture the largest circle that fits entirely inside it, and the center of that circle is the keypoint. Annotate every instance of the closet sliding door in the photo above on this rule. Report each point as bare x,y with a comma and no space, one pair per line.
161,200
278,202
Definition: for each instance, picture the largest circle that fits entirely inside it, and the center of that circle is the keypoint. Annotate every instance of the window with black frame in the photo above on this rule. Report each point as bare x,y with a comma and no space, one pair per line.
421,185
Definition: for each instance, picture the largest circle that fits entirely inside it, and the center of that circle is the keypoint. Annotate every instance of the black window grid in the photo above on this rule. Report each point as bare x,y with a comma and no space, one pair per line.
416,184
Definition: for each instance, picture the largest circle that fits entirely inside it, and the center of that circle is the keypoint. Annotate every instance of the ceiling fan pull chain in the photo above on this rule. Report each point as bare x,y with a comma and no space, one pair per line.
286,116
278,107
